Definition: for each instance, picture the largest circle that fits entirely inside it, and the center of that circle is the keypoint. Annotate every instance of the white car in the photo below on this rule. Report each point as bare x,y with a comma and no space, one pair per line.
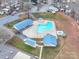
6,10
53,8
2,12
53,12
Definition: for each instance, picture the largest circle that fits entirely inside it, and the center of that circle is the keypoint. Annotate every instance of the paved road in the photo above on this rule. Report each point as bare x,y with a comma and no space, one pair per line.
8,19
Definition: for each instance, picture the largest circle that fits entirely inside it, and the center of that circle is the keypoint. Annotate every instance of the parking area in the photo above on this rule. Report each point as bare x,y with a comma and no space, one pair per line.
7,51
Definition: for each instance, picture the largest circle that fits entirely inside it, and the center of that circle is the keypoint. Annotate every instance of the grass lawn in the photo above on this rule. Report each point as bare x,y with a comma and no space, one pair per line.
48,53
18,43
51,53
10,25
48,15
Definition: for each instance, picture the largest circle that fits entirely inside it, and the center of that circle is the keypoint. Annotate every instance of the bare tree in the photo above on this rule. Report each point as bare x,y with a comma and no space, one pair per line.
38,6
73,13
26,5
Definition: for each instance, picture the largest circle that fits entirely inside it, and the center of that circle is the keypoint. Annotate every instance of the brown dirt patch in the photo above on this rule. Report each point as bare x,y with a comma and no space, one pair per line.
71,47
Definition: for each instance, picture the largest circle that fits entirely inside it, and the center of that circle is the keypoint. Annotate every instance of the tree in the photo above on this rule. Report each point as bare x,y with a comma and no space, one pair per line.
35,1
73,13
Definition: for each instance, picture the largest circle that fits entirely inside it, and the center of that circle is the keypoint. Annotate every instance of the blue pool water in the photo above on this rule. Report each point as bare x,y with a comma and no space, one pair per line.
43,27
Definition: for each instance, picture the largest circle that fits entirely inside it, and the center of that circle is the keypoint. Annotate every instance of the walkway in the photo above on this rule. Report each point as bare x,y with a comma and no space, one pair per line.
21,36
41,51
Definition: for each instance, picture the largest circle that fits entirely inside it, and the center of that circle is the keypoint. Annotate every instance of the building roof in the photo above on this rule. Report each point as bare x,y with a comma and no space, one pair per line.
30,42
50,40
23,24
21,55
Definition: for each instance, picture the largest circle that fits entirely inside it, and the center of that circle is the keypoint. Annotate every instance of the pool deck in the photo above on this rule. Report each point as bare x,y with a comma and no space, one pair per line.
32,31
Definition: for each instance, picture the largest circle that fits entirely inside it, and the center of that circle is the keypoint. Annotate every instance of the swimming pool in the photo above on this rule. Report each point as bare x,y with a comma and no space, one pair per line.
44,27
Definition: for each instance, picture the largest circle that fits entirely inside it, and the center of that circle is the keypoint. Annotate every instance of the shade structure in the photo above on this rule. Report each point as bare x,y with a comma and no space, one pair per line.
23,24
50,40
30,42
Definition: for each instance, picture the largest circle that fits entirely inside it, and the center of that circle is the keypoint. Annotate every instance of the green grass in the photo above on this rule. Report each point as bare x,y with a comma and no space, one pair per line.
18,43
48,53
10,25
23,46
48,15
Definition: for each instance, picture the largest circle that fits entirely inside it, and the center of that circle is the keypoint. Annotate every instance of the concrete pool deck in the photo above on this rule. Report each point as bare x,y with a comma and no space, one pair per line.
32,31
